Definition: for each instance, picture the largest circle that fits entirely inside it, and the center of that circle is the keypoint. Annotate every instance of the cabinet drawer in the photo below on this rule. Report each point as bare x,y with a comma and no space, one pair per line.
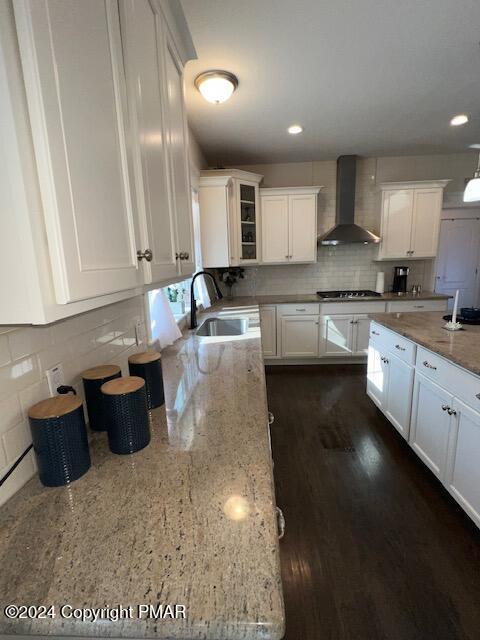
462,384
393,342
327,308
416,305
310,308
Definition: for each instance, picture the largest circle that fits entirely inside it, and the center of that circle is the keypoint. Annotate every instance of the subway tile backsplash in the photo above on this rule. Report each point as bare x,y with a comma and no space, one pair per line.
341,267
105,335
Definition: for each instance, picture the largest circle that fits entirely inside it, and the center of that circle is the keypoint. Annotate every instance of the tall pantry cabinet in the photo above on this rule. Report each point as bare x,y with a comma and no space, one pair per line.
95,146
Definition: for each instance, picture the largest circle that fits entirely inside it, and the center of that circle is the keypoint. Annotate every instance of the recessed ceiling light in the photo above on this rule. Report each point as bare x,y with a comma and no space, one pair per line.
216,86
457,121
475,146
295,129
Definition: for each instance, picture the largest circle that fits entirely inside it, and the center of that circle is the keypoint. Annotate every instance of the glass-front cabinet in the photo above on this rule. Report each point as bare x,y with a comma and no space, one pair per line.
230,222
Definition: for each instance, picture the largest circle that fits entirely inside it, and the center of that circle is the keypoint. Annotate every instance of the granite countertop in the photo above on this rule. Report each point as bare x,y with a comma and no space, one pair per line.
279,298
426,329
189,520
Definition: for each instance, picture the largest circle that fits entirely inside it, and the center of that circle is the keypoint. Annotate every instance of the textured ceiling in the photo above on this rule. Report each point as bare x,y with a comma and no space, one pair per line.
373,77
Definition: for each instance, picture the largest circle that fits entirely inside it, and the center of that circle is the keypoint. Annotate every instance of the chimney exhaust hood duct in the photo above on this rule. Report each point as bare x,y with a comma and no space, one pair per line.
346,231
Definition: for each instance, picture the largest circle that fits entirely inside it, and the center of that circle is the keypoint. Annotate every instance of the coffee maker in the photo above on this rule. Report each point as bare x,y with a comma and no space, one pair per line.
400,275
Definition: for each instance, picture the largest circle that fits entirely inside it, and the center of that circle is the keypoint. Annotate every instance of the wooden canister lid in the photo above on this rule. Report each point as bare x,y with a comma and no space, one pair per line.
102,371
145,357
54,407
121,386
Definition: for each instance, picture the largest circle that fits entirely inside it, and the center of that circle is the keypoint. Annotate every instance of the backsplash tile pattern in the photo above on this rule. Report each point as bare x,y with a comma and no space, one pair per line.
101,336
341,267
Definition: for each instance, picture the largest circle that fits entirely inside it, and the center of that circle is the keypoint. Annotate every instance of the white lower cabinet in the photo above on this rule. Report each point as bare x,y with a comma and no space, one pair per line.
268,326
421,402
463,462
390,386
299,336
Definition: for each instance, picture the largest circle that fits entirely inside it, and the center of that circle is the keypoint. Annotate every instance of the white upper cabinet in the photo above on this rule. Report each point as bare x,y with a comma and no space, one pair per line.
72,62
229,217
289,224
410,219
95,153
143,40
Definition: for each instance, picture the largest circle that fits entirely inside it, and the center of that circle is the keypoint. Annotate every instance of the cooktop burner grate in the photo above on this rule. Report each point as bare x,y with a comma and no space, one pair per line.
359,293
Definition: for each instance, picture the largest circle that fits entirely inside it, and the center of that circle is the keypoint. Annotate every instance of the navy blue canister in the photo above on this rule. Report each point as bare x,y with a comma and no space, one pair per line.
148,365
126,414
59,439
93,379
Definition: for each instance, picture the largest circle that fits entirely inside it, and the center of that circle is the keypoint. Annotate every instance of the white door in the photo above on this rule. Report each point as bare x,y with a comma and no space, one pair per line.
457,262
427,205
336,335
397,212
143,53
361,335
463,468
302,228
268,327
377,375
275,246
179,161
72,62
430,424
299,336
399,393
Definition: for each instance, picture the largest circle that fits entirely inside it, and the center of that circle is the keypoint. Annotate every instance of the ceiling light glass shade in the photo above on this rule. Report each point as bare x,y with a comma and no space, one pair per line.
295,129
456,121
216,86
472,190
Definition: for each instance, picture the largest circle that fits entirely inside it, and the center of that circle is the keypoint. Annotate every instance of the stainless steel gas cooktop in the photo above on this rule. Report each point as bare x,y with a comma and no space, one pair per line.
360,293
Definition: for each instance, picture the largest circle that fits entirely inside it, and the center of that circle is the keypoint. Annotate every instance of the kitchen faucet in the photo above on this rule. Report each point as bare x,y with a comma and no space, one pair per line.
193,302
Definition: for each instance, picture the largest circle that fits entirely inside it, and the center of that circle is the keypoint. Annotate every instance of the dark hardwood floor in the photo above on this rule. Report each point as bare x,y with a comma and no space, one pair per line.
374,548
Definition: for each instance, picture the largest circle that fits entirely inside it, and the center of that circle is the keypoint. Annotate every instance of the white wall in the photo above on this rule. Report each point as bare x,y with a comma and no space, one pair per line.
102,336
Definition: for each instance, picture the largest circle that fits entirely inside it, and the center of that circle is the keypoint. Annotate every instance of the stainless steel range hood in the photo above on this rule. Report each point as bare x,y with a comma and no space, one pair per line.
346,231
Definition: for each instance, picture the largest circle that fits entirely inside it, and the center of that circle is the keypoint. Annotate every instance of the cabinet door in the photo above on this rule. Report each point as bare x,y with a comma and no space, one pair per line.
397,213
72,62
430,424
274,229
299,336
143,55
398,400
247,221
377,375
179,161
427,206
268,326
361,335
336,335
302,228
463,468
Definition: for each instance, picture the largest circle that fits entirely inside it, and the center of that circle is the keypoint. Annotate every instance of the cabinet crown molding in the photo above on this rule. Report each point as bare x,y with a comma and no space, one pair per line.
238,174
280,191
414,184
214,181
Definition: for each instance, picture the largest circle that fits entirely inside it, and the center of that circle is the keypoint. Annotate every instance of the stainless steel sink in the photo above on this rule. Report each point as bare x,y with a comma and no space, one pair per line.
223,327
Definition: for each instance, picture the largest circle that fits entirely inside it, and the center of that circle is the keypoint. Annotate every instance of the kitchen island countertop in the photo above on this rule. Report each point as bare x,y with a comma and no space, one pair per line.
426,329
189,520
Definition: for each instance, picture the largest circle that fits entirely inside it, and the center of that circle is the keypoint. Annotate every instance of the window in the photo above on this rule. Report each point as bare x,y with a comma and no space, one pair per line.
178,296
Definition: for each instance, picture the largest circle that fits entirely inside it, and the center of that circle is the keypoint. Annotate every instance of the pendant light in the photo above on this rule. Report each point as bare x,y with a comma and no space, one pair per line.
472,190
216,86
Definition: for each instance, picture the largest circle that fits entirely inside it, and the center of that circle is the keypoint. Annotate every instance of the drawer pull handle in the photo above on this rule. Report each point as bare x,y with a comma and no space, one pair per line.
397,346
375,333
445,407
428,365
383,359
418,306
281,523
300,309
477,396
451,412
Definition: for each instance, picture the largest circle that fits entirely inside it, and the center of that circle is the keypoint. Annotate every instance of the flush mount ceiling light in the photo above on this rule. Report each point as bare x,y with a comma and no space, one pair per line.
475,146
295,129
472,190
216,86
458,120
